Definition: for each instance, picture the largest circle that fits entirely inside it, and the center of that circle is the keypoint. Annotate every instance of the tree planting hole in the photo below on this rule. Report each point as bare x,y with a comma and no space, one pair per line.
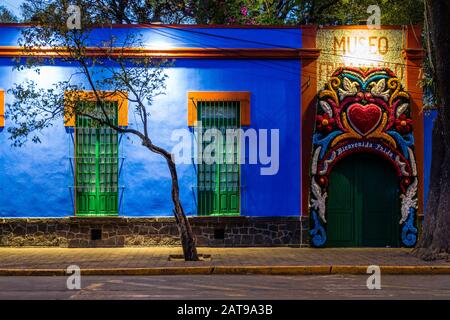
96,234
219,234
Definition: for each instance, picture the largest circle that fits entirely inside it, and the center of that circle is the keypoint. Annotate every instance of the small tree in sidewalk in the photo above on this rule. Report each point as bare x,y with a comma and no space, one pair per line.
116,67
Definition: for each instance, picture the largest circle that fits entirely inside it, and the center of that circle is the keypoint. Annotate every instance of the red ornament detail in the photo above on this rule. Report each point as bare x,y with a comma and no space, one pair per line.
364,118
324,123
323,181
403,124
406,182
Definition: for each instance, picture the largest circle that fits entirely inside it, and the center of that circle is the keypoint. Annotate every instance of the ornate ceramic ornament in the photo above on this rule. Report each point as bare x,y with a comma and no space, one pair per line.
363,110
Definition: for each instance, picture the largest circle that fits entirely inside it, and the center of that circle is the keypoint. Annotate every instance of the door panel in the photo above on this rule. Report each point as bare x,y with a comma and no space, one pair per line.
380,205
219,183
96,165
341,202
85,161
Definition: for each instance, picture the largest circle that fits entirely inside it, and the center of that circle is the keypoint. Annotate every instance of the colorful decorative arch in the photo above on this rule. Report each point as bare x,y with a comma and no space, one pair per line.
363,110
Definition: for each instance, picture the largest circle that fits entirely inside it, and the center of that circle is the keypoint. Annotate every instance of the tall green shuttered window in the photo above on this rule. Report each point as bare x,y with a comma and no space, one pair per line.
96,163
218,168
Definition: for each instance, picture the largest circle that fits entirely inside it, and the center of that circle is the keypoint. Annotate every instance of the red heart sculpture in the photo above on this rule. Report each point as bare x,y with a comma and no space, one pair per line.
364,119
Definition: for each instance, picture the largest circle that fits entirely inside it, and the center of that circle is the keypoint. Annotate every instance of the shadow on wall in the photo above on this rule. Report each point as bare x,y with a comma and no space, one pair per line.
308,123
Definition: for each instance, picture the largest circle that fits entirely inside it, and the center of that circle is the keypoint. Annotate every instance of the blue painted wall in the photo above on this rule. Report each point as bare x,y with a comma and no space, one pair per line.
35,180
191,37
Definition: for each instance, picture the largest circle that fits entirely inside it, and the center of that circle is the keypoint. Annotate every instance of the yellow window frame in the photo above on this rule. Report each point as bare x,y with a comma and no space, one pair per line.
71,97
242,96
2,108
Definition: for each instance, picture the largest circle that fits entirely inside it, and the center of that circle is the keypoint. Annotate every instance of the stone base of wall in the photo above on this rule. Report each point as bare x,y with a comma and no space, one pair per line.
119,232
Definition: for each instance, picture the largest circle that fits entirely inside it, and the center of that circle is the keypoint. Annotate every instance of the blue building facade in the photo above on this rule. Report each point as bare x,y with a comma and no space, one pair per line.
37,179
274,75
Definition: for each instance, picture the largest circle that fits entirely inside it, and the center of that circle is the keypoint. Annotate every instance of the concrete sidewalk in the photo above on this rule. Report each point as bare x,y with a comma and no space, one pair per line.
155,260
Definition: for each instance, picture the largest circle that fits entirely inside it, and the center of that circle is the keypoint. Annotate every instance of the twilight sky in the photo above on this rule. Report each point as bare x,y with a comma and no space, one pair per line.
12,5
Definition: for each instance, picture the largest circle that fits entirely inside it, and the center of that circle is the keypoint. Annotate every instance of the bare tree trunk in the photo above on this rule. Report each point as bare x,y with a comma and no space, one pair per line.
435,240
432,242
188,240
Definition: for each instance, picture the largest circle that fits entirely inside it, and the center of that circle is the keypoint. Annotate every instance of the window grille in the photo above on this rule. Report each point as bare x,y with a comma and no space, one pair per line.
218,171
96,162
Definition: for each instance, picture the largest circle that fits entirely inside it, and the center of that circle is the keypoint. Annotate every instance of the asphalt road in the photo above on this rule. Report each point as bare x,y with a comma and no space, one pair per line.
228,287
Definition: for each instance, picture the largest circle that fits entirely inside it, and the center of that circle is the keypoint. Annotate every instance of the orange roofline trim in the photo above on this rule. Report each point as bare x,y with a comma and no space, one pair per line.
205,53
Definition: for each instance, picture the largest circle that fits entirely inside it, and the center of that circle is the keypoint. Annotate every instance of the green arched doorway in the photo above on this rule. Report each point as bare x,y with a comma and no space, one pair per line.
363,203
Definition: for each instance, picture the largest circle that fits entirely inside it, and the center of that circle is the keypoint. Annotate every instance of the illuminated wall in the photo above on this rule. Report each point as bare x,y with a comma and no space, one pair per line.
398,48
360,47
35,180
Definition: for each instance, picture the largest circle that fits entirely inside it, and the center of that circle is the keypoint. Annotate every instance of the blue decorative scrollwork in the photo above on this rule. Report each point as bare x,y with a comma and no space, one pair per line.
318,233
409,231
364,84
404,143
350,89
324,142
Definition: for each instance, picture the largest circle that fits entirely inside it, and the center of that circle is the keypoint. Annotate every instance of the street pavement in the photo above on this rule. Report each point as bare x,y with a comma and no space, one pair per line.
336,287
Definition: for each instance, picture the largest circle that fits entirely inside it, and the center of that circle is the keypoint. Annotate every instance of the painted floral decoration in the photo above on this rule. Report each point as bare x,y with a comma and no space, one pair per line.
403,124
363,110
324,123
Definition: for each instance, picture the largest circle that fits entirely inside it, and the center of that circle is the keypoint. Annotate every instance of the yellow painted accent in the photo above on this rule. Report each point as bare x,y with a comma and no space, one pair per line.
2,108
344,136
378,133
395,84
351,134
332,84
242,96
72,97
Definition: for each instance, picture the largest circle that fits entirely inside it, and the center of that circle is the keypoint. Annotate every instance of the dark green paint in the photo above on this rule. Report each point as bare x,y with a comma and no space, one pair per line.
219,183
96,165
363,203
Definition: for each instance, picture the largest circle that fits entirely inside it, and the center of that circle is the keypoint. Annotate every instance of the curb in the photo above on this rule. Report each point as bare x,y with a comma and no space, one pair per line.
233,270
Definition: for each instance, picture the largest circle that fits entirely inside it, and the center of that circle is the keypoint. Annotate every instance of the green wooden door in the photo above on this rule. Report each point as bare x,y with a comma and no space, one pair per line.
342,204
363,203
96,165
219,182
